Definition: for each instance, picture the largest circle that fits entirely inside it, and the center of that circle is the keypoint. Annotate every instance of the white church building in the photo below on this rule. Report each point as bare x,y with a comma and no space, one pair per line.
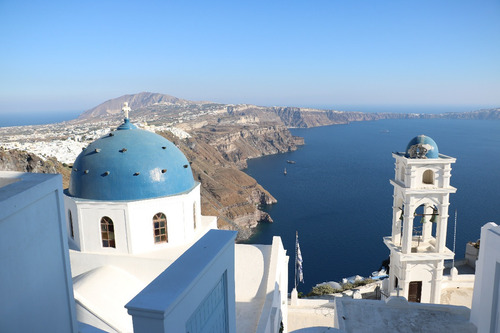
133,209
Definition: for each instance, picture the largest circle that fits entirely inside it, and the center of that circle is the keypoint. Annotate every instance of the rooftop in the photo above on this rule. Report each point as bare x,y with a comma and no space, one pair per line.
252,274
398,315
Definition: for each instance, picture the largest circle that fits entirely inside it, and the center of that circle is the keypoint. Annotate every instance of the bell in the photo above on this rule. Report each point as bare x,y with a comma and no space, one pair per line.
423,220
434,216
402,215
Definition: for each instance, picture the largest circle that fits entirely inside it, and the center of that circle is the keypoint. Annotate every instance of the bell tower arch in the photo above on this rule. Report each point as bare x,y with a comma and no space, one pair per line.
417,244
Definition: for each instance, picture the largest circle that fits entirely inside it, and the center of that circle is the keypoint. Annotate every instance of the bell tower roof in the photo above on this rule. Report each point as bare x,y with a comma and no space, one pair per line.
423,147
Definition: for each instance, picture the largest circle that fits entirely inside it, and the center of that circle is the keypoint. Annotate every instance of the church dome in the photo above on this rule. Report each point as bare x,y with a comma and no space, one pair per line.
422,147
130,164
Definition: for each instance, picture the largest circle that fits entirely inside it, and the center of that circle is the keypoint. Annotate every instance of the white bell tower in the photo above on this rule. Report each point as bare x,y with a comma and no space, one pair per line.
419,221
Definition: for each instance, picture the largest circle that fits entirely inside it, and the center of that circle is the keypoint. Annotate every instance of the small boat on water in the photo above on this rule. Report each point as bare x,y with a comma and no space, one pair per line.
290,162
284,172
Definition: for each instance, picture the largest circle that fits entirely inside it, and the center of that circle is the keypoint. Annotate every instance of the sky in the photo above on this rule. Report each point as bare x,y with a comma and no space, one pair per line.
59,56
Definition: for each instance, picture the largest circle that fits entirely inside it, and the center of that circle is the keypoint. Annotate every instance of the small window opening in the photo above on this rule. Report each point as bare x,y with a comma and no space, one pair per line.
428,177
160,228
107,232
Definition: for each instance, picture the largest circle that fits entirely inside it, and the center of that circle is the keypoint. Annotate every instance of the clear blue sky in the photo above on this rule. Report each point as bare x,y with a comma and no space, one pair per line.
73,55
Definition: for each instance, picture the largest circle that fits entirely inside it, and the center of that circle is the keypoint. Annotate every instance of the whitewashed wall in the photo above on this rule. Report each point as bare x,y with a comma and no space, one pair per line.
36,291
133,222
275,309
485,312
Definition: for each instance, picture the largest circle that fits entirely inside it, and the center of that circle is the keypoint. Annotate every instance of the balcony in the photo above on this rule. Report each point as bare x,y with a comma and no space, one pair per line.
420,250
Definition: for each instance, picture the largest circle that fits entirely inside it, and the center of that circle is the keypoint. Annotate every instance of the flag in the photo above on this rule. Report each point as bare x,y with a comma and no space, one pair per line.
298,260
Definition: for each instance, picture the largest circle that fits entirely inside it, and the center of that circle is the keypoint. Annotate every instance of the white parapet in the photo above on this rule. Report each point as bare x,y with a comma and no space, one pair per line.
198,288
485,313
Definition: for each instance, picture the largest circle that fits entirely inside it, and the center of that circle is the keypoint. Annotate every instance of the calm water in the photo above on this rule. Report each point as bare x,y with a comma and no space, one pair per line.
36,118
338,196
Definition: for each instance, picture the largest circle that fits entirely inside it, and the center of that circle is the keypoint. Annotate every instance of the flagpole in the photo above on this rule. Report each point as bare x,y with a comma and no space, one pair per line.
296,240
454,238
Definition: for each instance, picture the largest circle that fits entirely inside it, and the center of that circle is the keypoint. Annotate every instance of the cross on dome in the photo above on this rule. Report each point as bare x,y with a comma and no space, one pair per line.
126,109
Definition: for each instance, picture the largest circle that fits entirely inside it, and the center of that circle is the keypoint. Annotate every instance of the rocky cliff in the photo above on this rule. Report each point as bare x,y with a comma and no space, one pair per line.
304,117
300,117
227,192
15,160
237,144
485,114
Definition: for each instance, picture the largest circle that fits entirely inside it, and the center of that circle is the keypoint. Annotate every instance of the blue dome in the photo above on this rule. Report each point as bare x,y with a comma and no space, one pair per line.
130,164
422,147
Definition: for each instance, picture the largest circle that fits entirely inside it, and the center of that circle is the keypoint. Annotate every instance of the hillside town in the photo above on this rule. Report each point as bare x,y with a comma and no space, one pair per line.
64,141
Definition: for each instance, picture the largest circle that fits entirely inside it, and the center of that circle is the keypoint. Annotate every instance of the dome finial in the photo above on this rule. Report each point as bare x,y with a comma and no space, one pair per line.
126,109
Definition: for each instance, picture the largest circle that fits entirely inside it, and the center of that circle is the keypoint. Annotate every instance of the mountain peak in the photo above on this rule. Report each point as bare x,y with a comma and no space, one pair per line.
135,101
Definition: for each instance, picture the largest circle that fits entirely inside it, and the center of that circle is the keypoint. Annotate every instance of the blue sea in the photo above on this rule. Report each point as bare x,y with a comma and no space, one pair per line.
339,199
36,118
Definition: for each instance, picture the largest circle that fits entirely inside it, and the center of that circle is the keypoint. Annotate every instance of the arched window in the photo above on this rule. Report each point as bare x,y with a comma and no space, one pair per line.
107,232
71,230
160,228
402,174
428,177
194,215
